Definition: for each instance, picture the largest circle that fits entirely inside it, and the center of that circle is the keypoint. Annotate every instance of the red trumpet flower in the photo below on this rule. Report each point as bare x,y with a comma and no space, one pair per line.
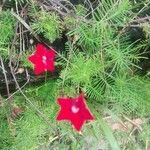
43,59
74,110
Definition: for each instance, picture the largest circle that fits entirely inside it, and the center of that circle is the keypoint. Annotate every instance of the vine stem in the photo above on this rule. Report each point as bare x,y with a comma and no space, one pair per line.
5,76
8,115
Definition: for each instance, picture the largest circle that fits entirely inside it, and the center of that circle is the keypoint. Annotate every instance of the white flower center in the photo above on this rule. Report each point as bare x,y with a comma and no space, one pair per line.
75,109
44,59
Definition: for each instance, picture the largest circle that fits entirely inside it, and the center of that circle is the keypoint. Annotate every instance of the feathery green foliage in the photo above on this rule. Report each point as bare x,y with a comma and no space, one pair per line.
47,24
81,69
126,98
6,138
114,12
7,23
24,60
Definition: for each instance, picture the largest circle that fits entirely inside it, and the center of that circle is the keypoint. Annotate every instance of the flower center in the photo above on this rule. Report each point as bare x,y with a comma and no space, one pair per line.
74,109
44,59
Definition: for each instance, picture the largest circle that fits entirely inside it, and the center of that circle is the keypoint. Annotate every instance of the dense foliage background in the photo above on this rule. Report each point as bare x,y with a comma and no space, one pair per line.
103,49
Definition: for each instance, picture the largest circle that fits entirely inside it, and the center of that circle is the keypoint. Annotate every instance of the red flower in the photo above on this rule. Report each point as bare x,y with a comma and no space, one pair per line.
74,110
43,59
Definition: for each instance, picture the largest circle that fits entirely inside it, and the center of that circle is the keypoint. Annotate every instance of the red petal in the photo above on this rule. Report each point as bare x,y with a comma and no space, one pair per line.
34,58
51,53
51,66
78,124
41,49
38,69
86,113
64,112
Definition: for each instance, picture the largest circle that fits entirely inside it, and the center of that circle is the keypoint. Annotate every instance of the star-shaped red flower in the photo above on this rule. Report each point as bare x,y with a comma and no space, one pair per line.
43,59
74,110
